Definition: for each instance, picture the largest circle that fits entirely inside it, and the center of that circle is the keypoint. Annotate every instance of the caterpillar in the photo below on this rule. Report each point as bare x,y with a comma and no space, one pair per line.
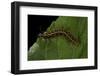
66,34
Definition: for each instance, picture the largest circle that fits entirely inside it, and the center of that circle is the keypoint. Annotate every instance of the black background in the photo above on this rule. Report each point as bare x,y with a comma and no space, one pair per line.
36,25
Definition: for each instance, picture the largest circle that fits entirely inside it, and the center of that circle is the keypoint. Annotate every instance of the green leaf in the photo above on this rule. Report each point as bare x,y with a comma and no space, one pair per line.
59,47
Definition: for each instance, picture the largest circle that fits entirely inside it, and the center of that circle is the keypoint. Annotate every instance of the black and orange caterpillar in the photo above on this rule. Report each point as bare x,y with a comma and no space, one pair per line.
61,32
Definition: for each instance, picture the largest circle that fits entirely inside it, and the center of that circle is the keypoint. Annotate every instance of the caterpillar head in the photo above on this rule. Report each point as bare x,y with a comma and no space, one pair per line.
40,35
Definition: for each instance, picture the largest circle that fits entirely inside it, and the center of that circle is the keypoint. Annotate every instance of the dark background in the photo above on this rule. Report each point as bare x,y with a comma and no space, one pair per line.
36,25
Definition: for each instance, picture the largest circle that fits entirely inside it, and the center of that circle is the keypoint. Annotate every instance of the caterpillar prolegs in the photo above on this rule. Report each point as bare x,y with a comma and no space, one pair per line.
61,32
